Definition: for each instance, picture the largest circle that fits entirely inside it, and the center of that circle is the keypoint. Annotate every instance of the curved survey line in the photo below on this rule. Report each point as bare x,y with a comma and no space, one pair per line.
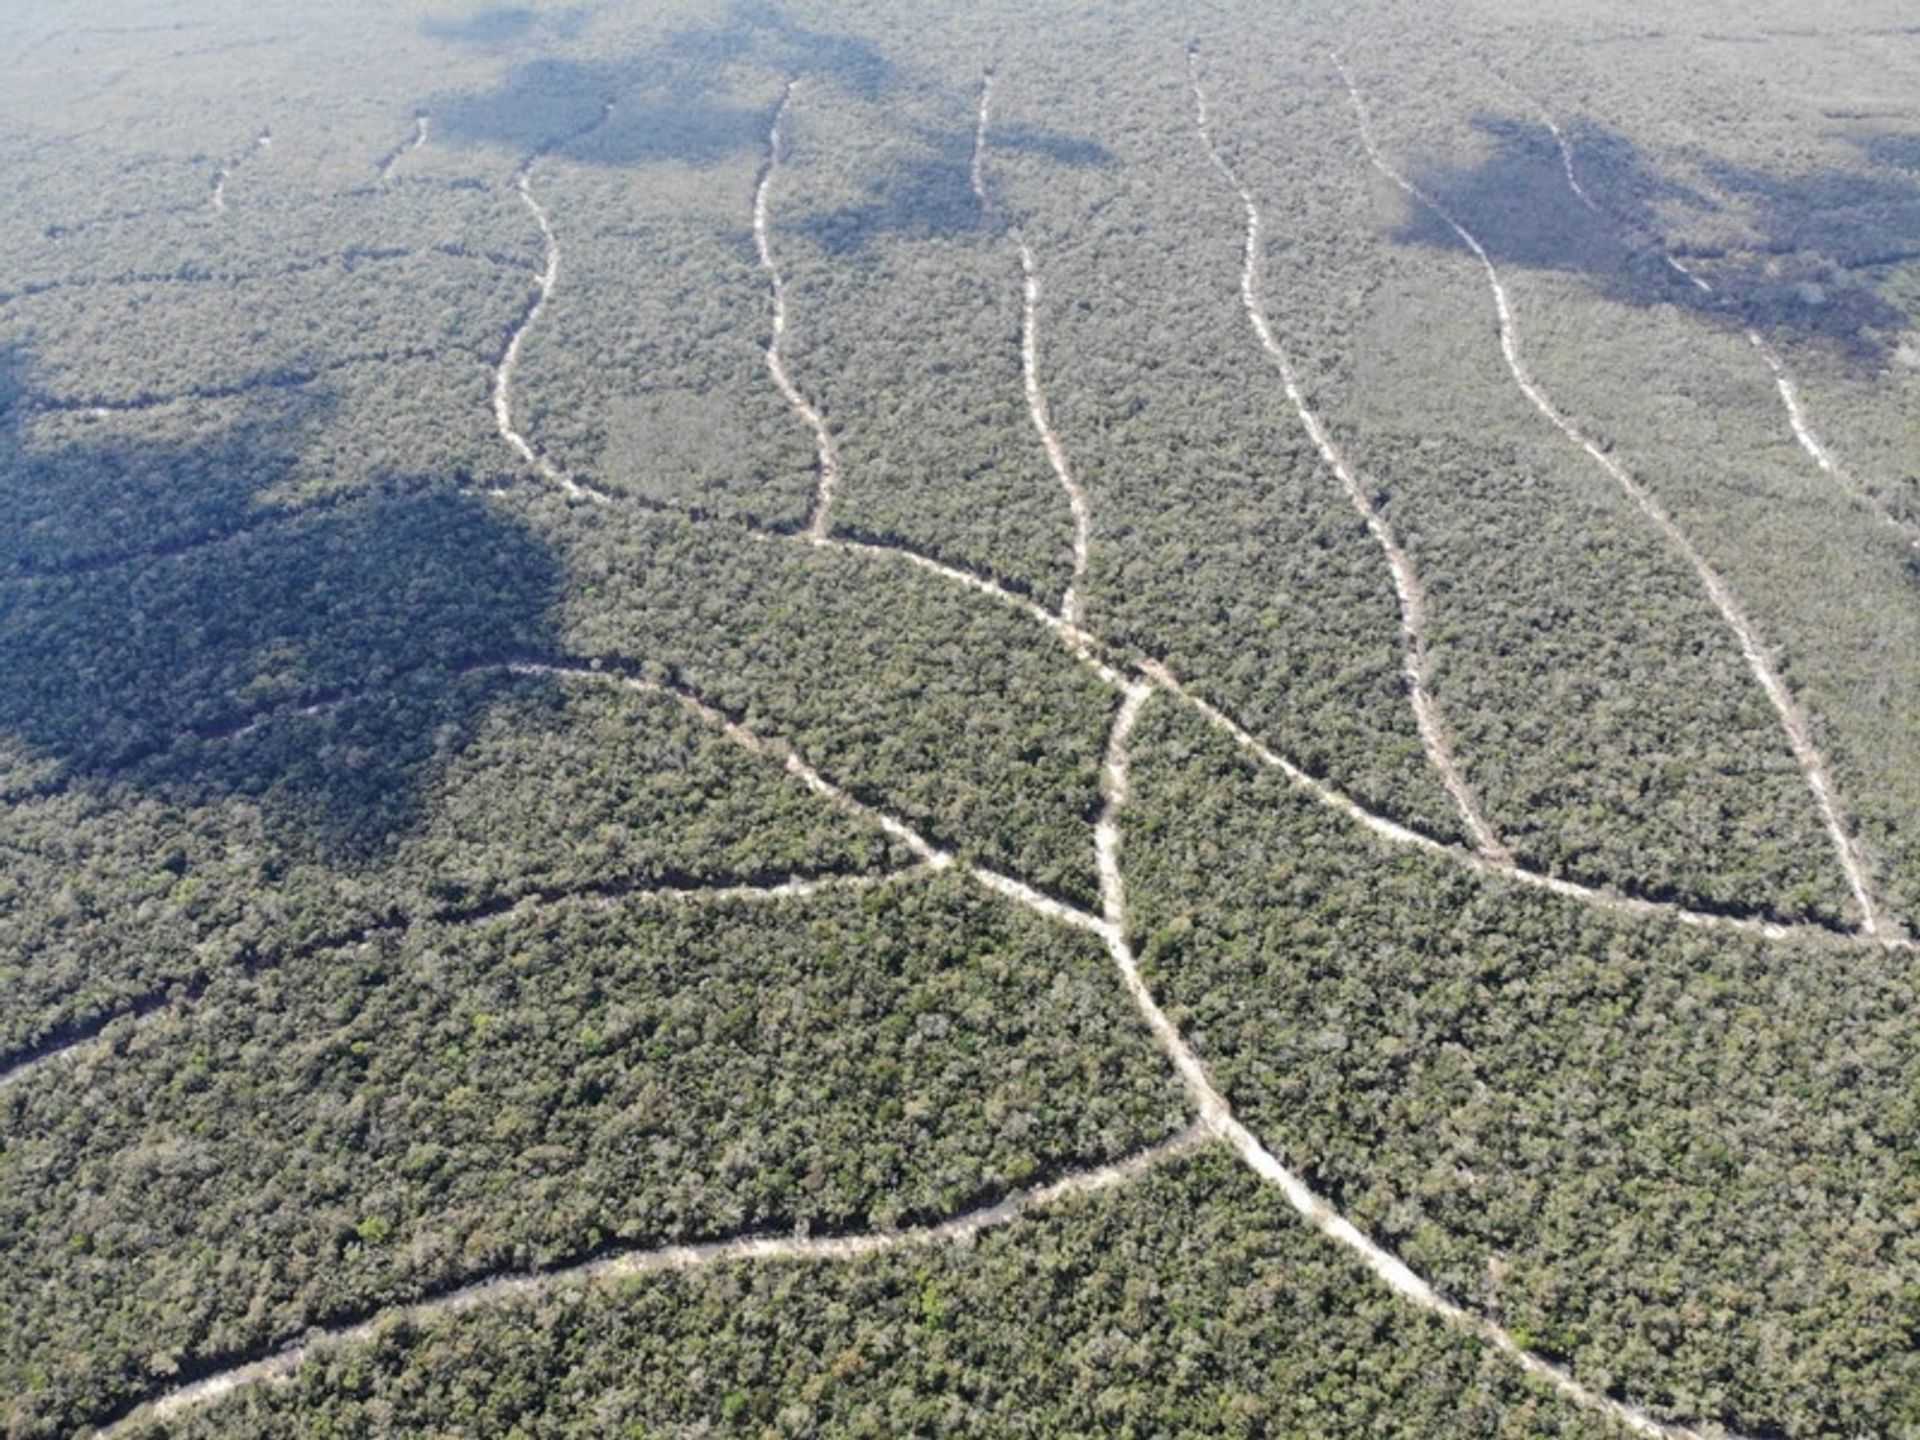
218,196
1217,1115
516,338
827,458
1759,661
1091,651
1406,583
1803,431
627,1264
1072,607
1797,418
413,142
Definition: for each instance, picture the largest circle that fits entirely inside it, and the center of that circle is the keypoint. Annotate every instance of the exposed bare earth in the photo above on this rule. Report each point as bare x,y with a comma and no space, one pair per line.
1072,608
1135,682
412,143
1406,583
1797,418
826,457
1759,660
281,1365
510,358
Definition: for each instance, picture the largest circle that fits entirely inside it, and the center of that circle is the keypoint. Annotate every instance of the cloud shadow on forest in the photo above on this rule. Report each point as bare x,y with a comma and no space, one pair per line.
673,102
932,197
1802,278
505,25
137,669
1902,152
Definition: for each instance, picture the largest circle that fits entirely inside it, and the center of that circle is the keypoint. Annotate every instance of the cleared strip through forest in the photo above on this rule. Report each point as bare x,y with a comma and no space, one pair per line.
218,196
1814,446
1406,583
630,1264
1797,418
412,143
1089,648
1094,652
510,357
1072,607
827,459
1217,1115
516,338
1759,660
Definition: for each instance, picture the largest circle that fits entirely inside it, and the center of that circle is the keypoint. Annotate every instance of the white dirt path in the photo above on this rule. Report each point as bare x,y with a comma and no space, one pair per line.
1797,418
1406,583
544,282
827,458
218,196
1090,649
1759,661
1217,1115
1811,442
413,142
1072,606
1216,1118
282,1365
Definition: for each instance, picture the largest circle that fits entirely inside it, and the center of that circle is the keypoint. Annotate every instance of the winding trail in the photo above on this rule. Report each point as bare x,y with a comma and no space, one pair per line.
516,339
1759,660
827,459
218,196
1803,431
1406,583
1797,419
1104,661
1560,141
629,1264
1218,1117
1072,609
1094,652
400,152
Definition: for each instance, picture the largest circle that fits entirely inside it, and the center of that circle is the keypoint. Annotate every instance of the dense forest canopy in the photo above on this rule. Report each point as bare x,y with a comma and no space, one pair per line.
847,717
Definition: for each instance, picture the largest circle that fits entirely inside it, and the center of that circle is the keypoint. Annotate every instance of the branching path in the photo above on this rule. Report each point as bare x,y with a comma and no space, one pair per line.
1759,660
1072,608
1406,584
629,1264
1797,418
1136,683
1216,1116
827,459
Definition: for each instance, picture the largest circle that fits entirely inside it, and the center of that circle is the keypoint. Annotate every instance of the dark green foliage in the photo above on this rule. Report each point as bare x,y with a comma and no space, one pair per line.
1661,1154
334,971
1101,1318
391,1119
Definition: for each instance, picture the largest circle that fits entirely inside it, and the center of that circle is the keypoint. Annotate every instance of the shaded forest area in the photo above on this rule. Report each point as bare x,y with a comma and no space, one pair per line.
514,757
